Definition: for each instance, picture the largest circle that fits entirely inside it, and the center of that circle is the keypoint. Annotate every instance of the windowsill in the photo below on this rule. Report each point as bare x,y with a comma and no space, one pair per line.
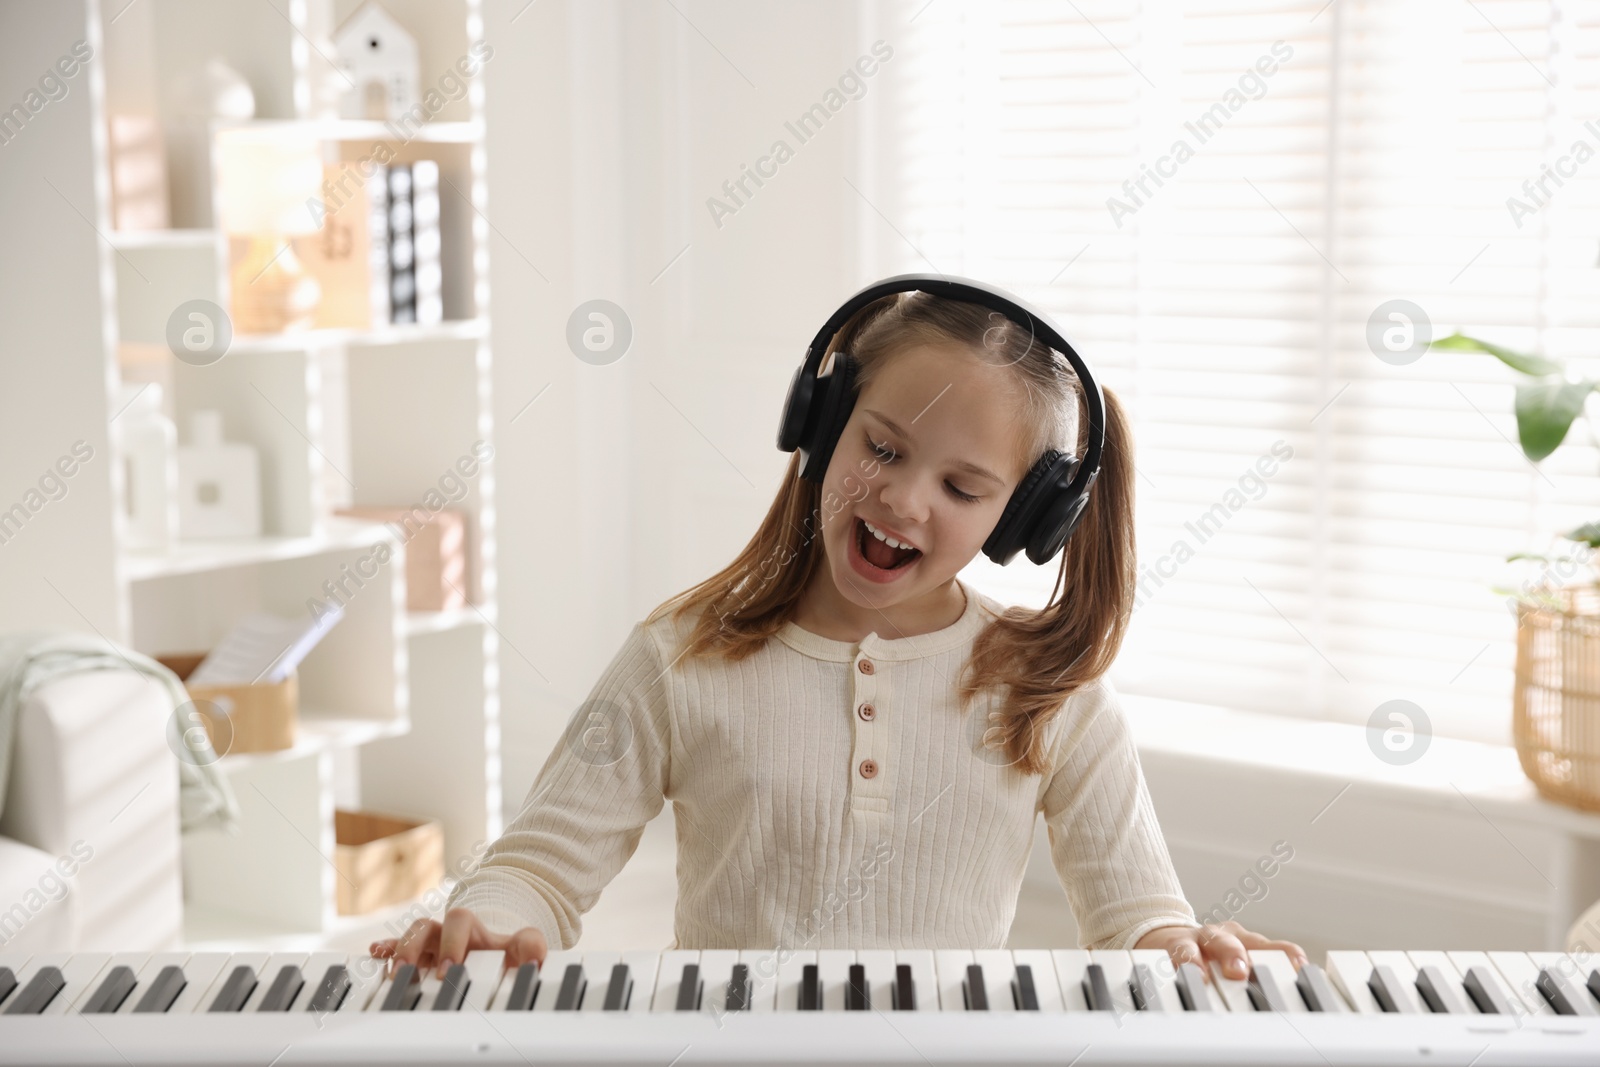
1257,744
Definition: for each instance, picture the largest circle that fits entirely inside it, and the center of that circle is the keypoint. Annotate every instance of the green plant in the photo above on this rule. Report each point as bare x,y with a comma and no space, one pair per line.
1546,407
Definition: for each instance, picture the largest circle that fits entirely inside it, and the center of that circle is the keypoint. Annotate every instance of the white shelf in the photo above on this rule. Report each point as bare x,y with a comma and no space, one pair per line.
315,732
191,557
301,340
163,239
363,130
433,622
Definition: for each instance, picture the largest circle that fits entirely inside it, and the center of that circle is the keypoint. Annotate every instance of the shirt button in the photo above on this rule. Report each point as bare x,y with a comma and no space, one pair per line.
866,666
869,769
867,712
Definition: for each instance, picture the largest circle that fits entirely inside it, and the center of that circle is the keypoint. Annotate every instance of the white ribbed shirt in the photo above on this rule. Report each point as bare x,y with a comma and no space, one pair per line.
829,794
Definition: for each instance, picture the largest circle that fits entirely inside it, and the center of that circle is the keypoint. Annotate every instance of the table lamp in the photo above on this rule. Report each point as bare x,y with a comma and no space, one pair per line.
267,184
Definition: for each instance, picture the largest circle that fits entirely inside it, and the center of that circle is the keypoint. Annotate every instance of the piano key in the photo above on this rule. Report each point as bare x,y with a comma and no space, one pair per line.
574,984
404,989
904,995
643,968
313,970
833,970
597,968
1023,994
486,968
1045,986
80,972
1159,962
268,973
619,988
8,983
1233,992
1146,994
810,988
1483,987
1407,999
159,995
1564,995
999,968
367,976
1118,969
1520,975
950,970
1194,990
44,986
285,987
524,989
671,971
857,993
112,991
1573,975
974,994
924,977
879,964
452,989
331,990
1273,975
791,971
1071,966
1349,971
551,974
764,967
1593,983
253,960
1394,993
1440,992
1317,991
1096,989
739,995
691,988
200,971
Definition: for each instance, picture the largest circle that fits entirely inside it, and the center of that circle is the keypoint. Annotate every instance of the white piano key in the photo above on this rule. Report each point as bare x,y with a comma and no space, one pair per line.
643,966
1350,970
1159,960
1456,995
998,970
1070,964
81,971
552,974
597,965
265,975
950,968
200,970
367,976
924,976
1118,966
669,975
25,975
833,968
879,964
79,997
315,969
1233,992
1272,965
1208,996
486,967
432,982
1045,985
1521,977
763,964
1408,999
1465,961
1575,975
254,960
790,968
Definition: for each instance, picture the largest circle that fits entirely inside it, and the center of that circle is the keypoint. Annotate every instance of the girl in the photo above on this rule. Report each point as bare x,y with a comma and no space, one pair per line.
856,742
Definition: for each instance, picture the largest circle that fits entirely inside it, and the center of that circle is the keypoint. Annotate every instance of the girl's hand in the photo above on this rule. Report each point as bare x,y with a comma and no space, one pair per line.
428,943
1225,943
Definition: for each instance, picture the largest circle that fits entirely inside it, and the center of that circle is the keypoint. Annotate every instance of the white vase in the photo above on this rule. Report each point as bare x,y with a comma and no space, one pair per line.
148,443
219,483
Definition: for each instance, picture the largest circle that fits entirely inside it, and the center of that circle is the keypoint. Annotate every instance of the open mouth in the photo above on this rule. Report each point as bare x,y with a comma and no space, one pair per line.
879,553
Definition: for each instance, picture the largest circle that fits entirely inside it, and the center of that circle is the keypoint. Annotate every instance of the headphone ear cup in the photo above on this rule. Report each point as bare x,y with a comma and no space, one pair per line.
1006,538
838,399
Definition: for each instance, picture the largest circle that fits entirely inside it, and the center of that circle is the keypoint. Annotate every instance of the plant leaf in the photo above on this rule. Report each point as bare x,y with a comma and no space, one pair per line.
1588,533
1545,411
1518,361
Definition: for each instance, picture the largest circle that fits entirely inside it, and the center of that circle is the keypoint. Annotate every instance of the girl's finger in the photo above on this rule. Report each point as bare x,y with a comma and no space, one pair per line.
418,944
1185,950
462,932
526,946
382,949
1252,940
1228,951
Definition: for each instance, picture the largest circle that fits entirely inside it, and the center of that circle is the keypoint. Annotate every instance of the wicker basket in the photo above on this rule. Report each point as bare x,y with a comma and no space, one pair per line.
1556,717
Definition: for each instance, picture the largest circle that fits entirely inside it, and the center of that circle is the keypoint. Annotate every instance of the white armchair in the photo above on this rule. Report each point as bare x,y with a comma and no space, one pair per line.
89,834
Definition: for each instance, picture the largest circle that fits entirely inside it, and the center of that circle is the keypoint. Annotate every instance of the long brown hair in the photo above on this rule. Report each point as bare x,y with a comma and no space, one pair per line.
1039,657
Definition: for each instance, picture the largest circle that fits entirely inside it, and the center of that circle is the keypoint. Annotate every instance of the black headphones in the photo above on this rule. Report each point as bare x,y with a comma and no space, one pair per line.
1049,501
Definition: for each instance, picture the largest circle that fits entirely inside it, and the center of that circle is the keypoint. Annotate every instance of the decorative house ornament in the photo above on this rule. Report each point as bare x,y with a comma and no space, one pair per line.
379,59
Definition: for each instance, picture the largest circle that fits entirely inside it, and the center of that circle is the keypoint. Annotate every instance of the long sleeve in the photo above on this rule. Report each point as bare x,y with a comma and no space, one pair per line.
1104,838
607,776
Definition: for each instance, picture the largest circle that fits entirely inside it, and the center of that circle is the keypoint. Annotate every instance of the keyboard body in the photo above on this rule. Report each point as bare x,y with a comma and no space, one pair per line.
943,1007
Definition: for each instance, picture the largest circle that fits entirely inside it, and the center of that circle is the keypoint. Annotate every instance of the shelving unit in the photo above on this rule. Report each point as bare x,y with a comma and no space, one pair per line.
399,710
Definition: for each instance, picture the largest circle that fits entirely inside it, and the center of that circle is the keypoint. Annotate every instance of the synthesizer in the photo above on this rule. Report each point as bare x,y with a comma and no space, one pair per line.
782,1006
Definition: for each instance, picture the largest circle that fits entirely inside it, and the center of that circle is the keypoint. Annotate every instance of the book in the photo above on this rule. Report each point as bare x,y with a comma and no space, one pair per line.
263,648
425,240
402,250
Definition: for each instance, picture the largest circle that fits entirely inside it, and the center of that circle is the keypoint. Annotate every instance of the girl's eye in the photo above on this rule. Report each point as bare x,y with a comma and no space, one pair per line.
887,454
959,495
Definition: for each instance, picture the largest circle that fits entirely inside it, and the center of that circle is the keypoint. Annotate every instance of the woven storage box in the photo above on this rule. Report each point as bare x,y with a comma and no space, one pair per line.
1556,716
384,859
241,718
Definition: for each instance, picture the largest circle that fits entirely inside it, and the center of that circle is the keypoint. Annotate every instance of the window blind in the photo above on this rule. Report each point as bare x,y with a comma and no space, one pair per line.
1215,200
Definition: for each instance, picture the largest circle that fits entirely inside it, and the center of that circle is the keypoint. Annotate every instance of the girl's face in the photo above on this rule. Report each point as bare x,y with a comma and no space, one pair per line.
929,457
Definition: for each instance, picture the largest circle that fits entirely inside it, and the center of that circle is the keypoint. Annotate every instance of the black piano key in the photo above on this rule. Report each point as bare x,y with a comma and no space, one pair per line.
857,997
573,984
38,993
284,988
904,995
162,992
1096,990
523,988
112,992
690,988
8,982
332,990
619,990
1594,983
405,990
1192,988
1485,992
1264,993
1438,992
810,988
1024,997
1316,990
973,991
1389,991
453,988
1143,987
739,989
1563,996
236,990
